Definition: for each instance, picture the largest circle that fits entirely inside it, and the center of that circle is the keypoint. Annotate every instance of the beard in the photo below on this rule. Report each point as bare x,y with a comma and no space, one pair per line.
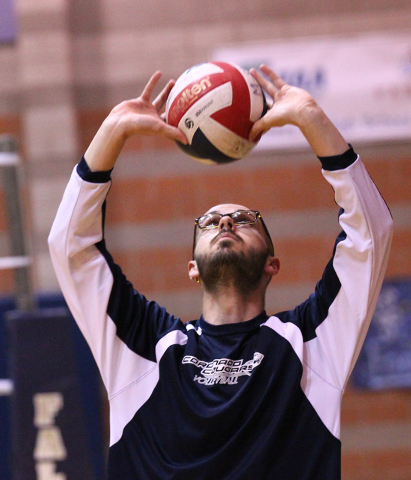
227,268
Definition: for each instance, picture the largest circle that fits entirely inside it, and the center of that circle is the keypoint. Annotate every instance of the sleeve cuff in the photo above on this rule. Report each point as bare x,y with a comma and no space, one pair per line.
93,177
339,162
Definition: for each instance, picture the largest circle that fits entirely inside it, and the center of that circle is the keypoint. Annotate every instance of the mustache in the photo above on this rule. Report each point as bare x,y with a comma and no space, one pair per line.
226,231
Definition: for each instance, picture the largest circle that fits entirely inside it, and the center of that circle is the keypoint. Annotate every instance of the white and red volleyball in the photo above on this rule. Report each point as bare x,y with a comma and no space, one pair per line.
215,104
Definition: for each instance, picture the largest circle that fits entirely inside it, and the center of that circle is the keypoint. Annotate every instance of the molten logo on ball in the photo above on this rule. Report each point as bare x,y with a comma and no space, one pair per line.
215,104
190,95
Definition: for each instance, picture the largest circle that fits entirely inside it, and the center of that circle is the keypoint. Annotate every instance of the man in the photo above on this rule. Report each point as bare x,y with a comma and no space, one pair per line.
236,394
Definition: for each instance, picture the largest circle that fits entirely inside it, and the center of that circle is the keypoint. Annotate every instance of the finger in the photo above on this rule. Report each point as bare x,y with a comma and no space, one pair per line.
161,98
276,79
151,85
173,133
269,87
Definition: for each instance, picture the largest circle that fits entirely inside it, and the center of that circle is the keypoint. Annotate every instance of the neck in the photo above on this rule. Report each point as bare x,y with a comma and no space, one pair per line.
229,306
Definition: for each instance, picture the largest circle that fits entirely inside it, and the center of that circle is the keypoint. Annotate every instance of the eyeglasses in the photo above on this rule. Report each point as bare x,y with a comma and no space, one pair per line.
239,217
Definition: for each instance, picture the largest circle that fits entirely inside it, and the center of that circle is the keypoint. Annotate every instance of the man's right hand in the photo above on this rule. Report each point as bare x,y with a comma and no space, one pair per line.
139,116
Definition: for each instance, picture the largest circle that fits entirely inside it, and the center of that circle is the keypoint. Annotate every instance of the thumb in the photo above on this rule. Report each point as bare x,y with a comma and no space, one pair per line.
259,128
275,117
174,133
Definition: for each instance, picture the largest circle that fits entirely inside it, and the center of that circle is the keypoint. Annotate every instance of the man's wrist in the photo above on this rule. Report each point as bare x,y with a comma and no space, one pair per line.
87,175
339,162
106,145
322,135
309,114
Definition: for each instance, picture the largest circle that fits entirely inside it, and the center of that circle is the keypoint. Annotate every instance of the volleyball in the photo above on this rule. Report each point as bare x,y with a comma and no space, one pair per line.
215,104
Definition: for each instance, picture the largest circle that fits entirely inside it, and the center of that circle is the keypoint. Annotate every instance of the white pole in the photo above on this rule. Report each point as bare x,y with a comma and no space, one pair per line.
7,263
6,387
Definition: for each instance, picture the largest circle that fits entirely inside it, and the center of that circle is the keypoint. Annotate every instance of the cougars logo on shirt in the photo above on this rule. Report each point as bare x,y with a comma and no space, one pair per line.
223,370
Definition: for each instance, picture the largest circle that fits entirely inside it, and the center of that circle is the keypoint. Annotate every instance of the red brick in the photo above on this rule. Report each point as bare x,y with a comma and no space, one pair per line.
176,197
367,407
194,196
290,188
6,282
303,259
156,270
377,465
129,201
88,122
399,263
3,213
11,125
393,178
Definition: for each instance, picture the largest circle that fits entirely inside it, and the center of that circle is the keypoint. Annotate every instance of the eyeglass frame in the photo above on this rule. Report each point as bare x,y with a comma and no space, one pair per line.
257,216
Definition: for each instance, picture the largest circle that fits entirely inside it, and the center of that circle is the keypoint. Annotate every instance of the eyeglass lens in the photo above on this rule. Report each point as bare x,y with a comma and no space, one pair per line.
240,217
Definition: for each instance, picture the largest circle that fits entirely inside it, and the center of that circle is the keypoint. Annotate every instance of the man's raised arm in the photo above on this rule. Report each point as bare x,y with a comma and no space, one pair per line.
85,271
336,320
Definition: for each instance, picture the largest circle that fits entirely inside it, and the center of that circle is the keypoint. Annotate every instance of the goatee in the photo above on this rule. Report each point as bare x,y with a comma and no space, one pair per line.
227,268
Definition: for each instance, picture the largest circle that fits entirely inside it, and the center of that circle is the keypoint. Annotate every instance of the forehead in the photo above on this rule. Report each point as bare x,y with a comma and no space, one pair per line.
227,208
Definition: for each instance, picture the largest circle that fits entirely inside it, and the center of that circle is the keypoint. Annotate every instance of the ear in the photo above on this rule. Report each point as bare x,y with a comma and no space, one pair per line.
193,272
272,266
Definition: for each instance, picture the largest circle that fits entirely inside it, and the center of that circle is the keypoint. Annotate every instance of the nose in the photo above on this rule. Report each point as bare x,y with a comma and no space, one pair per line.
226,222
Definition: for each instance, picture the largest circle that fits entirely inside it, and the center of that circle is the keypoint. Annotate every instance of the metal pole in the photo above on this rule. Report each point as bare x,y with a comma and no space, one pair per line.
19,261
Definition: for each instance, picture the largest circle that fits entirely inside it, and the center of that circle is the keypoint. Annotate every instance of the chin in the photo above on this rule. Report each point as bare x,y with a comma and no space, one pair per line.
225,243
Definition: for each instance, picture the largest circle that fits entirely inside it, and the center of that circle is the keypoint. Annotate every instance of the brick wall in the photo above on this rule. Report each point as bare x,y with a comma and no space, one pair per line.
376,435
75,60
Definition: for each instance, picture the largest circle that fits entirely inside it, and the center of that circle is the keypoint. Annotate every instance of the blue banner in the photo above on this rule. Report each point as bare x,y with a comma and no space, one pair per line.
8,29
385,359
51,438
